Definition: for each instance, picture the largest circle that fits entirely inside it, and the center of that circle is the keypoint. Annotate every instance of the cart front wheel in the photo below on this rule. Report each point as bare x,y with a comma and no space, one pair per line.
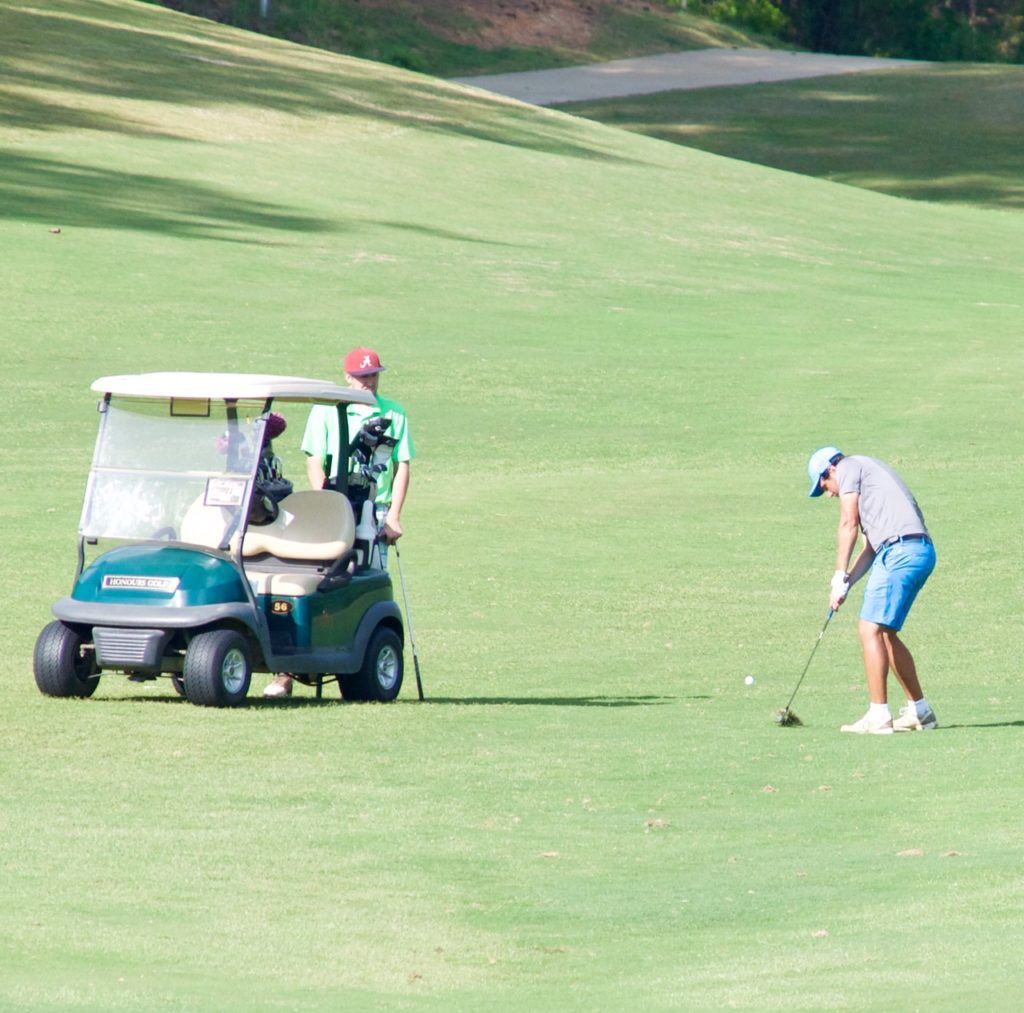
217,669
63,666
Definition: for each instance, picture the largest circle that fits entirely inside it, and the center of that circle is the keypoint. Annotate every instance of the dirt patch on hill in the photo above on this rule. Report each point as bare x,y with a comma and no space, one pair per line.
448,37
488,24
491,24
545,23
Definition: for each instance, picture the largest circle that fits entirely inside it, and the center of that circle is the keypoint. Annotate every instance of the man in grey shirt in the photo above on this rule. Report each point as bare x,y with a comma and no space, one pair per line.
898,551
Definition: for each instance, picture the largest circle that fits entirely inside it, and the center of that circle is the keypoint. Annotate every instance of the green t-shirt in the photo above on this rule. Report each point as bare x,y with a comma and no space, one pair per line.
321,437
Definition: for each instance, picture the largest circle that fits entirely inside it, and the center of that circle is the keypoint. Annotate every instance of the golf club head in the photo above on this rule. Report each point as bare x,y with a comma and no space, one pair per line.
786,718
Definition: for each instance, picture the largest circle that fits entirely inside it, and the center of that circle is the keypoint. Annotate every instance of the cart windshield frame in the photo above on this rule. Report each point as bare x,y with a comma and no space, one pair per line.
159,462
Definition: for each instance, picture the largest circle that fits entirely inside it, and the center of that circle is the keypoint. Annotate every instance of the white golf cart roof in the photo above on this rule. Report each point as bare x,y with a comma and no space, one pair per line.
230,387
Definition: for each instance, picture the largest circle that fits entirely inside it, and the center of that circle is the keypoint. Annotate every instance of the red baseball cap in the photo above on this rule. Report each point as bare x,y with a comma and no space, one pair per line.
363,362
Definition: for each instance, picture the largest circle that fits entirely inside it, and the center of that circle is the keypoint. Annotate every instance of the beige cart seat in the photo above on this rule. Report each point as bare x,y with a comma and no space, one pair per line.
207,525
312,526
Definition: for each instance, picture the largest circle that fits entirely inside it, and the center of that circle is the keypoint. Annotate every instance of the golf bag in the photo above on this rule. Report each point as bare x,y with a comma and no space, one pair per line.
370,456
271,485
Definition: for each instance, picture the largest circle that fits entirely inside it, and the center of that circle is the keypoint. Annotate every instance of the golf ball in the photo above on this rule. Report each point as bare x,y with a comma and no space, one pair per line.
749,680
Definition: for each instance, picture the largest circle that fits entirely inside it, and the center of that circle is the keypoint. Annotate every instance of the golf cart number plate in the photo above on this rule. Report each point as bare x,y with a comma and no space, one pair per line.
126,582
224,492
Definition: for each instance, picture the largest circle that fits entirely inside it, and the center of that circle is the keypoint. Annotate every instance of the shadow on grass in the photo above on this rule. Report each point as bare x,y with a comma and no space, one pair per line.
983,724
552,701
945,133
436,233
330,700
61,193
258,702
142,54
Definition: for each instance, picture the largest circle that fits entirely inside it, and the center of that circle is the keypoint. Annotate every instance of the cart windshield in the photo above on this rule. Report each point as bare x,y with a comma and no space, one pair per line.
172,469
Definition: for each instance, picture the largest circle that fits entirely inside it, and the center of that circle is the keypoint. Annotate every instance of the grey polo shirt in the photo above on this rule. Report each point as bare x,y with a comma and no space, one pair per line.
887,507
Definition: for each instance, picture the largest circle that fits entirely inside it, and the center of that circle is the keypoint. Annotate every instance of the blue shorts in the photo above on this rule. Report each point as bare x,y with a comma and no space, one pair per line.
897,574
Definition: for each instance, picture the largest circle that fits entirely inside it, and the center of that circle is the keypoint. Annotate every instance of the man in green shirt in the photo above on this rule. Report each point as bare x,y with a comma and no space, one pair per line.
320,441
321,446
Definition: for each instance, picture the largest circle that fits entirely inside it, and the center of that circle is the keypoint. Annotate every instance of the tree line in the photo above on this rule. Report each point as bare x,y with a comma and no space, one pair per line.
911,29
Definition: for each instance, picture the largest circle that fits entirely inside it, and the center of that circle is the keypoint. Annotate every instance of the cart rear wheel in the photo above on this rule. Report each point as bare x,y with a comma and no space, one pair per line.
62,665
217,669
179,685
380,678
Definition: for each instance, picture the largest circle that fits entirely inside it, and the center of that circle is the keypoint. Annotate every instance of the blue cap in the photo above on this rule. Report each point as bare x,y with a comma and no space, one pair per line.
818,465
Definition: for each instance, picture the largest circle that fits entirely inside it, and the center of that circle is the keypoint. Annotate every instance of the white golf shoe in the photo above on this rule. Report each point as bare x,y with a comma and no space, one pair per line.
869,726
280,687
910,721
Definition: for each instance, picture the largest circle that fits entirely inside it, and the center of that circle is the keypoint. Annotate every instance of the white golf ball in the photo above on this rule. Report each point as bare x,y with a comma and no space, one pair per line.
749,680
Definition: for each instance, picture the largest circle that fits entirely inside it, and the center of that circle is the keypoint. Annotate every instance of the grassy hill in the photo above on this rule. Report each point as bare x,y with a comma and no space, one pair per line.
617,354
946,132
460,37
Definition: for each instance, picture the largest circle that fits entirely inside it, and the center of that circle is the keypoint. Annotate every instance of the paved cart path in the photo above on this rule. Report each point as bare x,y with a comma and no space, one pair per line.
701,68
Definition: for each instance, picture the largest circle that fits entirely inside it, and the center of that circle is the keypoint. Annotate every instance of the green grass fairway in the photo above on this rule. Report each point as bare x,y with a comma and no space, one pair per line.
617,354
941,133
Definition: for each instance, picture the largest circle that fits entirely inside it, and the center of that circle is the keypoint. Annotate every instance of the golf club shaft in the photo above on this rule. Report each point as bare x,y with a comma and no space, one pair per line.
408,619
831,612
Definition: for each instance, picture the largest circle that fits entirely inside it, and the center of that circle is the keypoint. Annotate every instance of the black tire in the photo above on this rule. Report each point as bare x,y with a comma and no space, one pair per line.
62,666
380,678
179,685
218,669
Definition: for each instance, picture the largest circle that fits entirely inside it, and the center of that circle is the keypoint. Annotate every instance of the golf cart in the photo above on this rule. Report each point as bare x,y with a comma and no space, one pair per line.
197,572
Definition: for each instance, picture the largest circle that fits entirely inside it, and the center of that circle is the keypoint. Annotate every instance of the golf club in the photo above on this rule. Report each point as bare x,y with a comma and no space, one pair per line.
785,717
408,619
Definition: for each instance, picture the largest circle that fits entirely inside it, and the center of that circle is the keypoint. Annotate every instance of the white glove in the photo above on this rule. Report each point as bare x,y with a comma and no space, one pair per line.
840,585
